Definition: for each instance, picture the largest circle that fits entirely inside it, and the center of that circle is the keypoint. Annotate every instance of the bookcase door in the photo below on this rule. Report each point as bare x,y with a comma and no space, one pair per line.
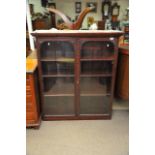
57,62
97,59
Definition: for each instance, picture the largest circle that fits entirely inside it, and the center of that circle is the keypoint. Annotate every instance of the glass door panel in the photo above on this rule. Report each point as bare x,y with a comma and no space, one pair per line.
57,68
97,50
94,105
57,63
58,106
58,86
98,68
54,50
95,95
95,86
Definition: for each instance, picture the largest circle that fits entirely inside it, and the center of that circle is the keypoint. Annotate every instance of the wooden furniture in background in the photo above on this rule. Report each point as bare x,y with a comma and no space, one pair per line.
72,25
77,73
122,80
52,15
28,49
41,24
32,94
101,25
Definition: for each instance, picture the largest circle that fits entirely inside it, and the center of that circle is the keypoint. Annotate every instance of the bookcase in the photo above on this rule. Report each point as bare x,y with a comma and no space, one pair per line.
77,73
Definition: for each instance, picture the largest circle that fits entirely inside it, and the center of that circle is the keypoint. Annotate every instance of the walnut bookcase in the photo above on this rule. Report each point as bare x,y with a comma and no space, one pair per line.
77,73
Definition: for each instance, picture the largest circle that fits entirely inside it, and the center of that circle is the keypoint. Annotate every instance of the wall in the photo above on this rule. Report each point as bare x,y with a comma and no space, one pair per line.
68,7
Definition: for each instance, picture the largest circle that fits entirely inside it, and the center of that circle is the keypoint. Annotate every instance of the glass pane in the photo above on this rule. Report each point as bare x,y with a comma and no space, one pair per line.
95,85
57,68
97,49
59,86
94,105
63,105
57,49
96,67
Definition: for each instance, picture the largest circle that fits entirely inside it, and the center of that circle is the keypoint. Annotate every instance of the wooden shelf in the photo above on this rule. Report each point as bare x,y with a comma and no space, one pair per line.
97,74
56,94
90,58
62,59
88,74
72,94
27,35
94,94
72,60
57,75
91,48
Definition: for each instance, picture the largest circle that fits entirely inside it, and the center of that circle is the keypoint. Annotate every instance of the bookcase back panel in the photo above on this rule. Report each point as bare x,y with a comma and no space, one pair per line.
57,49
93,49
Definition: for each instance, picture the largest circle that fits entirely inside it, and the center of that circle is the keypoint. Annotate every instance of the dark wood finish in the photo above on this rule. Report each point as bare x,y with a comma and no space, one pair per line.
52,15
101,25
122,84
67,87
41,24
83,117
78,34
53,20
28,49
97,58
32,100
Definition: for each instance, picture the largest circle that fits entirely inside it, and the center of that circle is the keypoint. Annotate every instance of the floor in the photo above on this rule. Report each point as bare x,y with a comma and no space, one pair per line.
120,104
86,137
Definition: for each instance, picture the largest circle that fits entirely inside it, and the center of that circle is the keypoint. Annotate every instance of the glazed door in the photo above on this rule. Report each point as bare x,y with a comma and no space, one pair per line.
96,76
57,63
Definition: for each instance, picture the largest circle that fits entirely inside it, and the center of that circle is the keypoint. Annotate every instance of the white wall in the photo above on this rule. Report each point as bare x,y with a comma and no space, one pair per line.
37,5
68,7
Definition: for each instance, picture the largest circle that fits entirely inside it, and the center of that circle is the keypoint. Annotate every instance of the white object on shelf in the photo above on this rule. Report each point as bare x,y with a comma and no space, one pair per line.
93,27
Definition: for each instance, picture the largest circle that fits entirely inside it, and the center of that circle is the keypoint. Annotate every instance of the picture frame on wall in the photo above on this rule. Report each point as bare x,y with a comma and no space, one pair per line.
77,7
44,3
106,8
90,4
115,9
